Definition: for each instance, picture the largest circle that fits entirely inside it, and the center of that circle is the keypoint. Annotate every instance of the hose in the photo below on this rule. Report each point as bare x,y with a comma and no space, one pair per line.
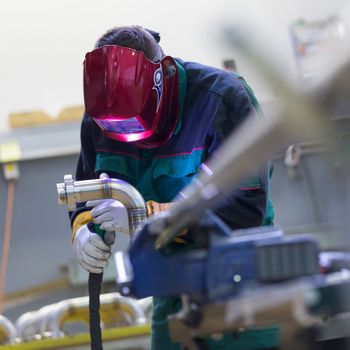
95,283
7,240
94,286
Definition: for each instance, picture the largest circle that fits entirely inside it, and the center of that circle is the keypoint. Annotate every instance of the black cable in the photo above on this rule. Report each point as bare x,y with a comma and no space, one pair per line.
95,283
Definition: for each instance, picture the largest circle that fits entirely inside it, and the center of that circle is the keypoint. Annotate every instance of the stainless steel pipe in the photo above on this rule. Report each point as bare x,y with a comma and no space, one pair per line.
71,192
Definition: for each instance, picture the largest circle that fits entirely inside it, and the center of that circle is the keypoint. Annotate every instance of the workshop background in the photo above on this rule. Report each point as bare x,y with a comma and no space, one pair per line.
43,44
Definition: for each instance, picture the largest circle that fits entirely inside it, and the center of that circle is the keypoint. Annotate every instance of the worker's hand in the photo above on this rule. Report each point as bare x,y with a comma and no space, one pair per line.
110,214
90,250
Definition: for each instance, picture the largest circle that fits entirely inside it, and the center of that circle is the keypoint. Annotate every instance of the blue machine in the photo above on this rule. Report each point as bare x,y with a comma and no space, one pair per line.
220,263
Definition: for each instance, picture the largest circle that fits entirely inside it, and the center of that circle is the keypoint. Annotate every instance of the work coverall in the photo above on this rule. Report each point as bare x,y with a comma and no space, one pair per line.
213,104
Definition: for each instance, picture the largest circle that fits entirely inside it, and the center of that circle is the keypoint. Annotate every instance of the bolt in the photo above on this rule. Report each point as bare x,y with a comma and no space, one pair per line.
125,290
237,278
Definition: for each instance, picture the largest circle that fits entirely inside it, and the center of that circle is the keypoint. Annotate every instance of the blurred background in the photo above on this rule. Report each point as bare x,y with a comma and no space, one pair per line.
43,44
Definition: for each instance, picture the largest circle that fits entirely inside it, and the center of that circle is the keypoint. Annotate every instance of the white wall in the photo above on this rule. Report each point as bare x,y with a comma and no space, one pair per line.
43,42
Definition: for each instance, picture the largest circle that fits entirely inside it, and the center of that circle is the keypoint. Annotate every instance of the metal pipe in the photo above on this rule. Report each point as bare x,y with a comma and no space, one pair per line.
28,325
49,321
61,313
7,331
71,192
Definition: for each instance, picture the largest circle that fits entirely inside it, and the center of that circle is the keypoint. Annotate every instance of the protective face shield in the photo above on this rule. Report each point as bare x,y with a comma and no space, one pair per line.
130,97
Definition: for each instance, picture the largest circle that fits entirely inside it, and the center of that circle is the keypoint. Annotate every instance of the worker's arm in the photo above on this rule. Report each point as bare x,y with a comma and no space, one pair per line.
95,216
246,206
84,171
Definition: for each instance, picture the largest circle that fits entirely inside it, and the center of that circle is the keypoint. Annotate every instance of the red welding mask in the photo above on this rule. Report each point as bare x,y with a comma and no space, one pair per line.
131,98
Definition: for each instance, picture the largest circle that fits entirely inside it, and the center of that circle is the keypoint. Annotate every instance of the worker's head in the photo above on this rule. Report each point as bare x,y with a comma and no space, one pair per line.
131,89
134,37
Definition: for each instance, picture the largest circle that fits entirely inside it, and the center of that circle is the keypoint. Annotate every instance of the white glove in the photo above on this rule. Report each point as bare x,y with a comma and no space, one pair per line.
90,250
110,214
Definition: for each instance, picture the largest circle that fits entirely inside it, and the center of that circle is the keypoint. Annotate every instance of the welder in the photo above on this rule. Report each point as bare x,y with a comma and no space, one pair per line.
153,120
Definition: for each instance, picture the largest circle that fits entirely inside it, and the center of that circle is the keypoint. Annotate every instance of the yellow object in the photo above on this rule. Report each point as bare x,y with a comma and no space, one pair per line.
11,171
25,119
70,114
80,220
108,335
3,335
10,152
112,315
10,167
155,208
38,118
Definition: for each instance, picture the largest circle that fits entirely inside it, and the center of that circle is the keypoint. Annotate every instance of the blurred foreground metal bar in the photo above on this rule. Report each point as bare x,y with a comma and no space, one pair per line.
299,117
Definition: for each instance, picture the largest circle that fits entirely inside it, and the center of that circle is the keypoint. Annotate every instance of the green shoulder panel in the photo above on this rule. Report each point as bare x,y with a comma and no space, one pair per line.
183,91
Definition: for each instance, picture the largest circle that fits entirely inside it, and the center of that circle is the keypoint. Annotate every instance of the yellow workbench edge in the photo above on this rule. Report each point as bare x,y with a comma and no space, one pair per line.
81,339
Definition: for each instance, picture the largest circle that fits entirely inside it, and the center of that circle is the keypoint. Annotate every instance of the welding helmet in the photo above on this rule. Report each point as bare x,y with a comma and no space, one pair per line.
130,97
